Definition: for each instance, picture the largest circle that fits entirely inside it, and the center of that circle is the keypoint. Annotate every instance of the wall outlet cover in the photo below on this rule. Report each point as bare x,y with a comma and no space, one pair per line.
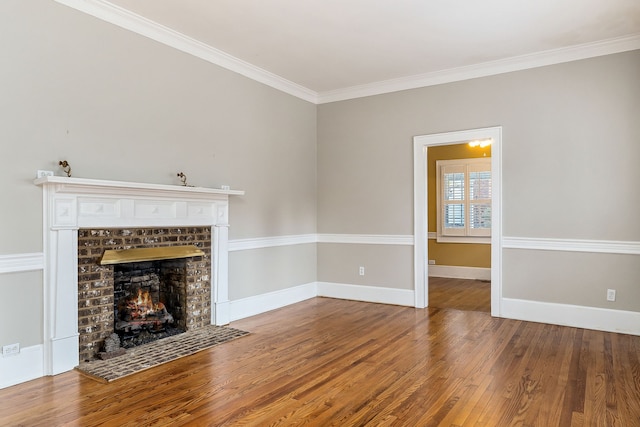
11,349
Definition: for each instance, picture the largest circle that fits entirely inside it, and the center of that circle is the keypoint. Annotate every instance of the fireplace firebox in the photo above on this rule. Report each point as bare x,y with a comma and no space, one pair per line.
155,298
149,301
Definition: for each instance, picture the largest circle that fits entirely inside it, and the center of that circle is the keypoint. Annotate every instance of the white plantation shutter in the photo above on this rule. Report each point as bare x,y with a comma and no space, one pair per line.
464,198
479,208
453,212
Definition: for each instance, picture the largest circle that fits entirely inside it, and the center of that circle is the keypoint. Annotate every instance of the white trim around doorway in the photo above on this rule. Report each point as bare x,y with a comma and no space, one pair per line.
421,267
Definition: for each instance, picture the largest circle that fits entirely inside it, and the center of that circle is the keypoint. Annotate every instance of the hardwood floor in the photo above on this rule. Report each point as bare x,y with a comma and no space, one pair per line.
460,294
328,362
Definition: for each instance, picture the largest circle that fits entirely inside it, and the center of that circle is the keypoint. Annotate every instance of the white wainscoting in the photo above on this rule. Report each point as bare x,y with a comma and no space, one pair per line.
270,242
28,364
250,306
596,318
24,366
571,245
21,262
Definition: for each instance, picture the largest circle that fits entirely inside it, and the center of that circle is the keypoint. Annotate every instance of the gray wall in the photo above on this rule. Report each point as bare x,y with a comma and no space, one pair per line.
570,170
119,106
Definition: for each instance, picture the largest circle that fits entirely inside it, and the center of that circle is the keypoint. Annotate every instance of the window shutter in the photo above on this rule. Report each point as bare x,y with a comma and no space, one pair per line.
453,214
464,198
479,199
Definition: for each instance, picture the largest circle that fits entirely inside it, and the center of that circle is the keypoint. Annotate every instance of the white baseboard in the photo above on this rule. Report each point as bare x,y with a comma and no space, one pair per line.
247,307
259,304
455,272
599,319
367,293
24,366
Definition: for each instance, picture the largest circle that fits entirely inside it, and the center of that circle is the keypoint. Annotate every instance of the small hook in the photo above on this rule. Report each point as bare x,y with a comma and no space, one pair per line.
65,167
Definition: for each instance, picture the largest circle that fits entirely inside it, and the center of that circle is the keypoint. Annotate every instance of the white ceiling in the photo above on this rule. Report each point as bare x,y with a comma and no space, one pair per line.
324,50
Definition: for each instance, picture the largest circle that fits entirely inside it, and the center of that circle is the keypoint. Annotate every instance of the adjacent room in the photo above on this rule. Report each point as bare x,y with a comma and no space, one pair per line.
331,213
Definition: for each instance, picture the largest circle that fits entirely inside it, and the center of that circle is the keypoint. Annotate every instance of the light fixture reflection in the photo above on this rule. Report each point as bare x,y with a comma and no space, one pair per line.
482,143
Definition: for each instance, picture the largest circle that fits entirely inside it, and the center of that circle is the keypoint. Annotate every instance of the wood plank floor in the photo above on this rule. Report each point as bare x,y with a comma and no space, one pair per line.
327,362
460,294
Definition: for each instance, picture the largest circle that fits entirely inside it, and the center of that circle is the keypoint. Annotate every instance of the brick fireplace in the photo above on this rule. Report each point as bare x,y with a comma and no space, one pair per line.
82,217
96,285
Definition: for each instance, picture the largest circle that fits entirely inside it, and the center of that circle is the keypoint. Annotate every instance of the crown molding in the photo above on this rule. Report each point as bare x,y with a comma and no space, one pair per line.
516,63
123,18
128,20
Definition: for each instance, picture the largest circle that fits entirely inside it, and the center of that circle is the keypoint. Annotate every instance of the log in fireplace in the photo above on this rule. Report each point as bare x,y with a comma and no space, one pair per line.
138,305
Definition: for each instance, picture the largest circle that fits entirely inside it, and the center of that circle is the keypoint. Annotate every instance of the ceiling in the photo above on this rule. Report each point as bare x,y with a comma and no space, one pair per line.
326,50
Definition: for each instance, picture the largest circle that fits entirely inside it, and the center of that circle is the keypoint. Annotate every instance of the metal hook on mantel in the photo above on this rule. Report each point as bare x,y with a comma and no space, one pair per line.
183,179
66,167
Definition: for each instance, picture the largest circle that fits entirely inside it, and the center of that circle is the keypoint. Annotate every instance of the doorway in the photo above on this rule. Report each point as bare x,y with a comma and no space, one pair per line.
421,144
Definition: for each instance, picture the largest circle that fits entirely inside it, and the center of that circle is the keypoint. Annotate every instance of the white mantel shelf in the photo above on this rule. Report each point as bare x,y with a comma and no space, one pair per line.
80,202
73,203
79,183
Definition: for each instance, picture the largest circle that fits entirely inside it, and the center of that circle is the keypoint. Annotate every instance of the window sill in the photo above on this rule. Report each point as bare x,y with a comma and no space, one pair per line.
464,239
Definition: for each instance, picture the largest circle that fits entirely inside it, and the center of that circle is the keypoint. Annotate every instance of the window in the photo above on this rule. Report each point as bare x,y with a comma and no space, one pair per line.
464,200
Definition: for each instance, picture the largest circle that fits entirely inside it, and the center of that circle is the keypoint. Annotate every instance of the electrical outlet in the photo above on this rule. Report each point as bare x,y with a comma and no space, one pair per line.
432,262
361,271
11,349
611,294
42,174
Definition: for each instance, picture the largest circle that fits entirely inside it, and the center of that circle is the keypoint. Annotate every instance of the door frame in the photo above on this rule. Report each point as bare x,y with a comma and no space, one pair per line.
421,266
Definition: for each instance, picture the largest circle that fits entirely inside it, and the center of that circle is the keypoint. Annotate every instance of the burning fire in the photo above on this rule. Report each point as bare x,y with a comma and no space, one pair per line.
143,306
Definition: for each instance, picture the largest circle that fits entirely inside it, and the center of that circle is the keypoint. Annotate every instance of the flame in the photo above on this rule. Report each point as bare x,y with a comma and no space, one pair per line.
143,305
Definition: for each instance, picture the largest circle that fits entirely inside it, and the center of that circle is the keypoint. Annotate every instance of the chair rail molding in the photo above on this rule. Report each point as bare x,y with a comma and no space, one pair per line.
14,263
572,245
